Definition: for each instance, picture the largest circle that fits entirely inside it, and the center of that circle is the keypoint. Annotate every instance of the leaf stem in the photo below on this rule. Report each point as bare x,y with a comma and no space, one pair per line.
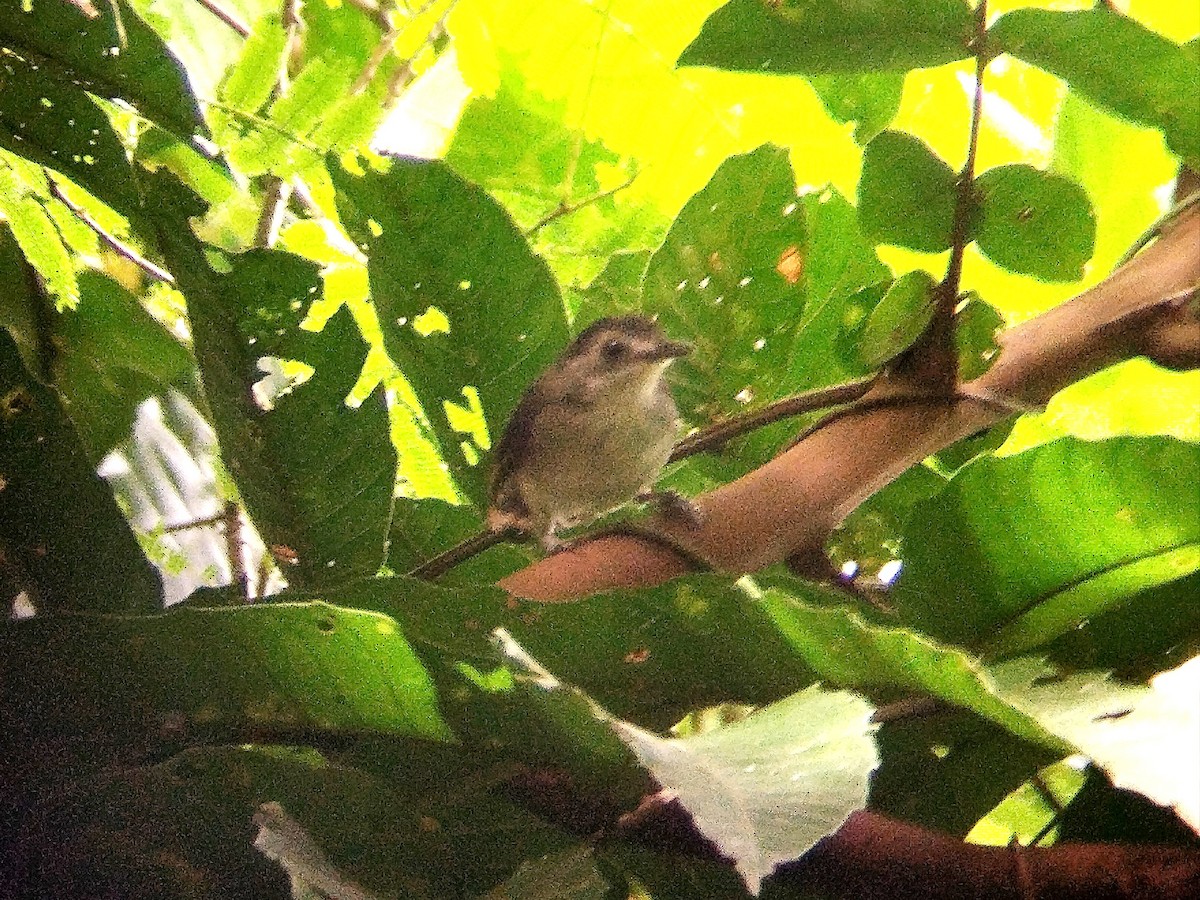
565,209
119,247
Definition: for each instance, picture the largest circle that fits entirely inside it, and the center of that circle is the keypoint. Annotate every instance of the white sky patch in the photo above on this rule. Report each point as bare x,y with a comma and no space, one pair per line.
1011,122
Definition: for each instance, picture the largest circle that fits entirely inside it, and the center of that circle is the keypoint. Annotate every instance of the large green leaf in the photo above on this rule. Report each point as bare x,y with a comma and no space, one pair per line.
764,790
439,245
849,652
1116,62
811,37
115,55
1034,222
906,193
316,475
649,655
1017,551
85,691
65,543
730,278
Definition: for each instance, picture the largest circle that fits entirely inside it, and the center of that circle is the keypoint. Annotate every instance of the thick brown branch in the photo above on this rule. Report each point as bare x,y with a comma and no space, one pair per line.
790,505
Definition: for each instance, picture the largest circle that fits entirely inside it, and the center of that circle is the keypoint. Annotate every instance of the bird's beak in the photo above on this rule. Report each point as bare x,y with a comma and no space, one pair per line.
669,350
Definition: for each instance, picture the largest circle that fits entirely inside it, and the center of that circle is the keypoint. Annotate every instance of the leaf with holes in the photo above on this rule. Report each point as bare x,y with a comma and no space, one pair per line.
316,475
114,55
464,304
730,278
811,37
1034,222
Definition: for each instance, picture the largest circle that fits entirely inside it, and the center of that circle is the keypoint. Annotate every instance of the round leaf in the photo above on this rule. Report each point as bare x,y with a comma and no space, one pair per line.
898,320
906,194
1035,223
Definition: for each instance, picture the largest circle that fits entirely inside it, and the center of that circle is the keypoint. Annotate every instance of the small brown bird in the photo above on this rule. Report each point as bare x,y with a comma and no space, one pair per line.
591,434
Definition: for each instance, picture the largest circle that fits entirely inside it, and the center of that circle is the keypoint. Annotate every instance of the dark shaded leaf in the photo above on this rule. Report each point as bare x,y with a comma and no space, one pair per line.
65,544
46,118
1034,222
87,691
812,37
115,55
1115,61
906,194
316,476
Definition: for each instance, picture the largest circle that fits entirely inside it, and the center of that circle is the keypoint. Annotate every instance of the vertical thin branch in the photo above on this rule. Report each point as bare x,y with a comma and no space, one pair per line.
933,360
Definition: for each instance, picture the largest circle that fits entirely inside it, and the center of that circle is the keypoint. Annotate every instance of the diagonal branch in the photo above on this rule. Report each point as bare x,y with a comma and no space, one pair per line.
789,506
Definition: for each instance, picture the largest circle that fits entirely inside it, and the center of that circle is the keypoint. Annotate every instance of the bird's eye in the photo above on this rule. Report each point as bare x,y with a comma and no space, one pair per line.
613,350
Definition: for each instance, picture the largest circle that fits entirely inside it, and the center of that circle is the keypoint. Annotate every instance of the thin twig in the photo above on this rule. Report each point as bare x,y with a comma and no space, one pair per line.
391,33
935,357
721,433
1163,222
120,248
565,209
232,19
270,217
460,553
374,11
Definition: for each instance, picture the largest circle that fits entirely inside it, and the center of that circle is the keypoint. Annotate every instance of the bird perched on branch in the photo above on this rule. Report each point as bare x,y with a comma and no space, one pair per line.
591,434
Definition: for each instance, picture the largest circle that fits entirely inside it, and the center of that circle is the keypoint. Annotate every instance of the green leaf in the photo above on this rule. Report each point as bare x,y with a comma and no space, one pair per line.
37,236
763,790
254,76
316,475
141,70
1034,222
1144,738
46,118
520,148
66,545
439,245
1116,62
1031,811
976,326
570,874
1041,542
96,688
730,278
869,100
849,652
649,654
899,319
112,355
812,37
906,194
